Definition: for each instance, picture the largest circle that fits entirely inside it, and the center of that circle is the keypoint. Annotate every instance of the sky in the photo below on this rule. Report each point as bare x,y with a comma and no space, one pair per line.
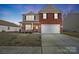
13,12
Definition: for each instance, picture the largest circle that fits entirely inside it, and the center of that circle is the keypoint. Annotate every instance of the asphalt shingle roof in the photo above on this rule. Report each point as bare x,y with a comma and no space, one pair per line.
50,9
30,13
6,23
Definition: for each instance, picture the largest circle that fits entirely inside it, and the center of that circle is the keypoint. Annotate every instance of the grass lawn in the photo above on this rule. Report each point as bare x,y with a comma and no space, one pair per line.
74,34
20,39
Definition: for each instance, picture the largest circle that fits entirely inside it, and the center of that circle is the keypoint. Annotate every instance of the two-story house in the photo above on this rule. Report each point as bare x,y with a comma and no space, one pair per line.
48,20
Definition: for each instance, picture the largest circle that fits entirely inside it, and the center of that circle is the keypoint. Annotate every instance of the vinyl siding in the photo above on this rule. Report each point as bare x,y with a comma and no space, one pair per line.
5,28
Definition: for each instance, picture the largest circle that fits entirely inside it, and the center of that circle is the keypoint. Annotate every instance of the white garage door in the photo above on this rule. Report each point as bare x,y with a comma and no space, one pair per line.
49,28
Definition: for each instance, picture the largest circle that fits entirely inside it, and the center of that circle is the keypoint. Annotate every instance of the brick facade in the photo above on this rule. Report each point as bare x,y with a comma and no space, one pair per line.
50,19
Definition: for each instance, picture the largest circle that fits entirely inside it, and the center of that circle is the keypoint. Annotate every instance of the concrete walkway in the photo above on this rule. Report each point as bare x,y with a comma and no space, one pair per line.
59,43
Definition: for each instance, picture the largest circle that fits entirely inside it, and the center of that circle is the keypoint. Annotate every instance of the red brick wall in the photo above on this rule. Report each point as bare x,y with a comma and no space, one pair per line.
50,19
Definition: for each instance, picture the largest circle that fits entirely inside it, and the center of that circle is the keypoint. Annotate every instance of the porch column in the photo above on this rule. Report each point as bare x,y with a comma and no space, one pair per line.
32,26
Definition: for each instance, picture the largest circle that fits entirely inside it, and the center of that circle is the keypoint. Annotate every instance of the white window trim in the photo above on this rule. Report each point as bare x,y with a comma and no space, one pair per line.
44,15
30,18
56,16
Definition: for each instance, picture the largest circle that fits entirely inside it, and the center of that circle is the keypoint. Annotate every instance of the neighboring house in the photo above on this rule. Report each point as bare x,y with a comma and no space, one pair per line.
71,22
6,26
48,20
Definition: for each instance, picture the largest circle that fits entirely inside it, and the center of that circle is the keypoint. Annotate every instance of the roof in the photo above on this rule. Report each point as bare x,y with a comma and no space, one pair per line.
30,13
50,9
6,23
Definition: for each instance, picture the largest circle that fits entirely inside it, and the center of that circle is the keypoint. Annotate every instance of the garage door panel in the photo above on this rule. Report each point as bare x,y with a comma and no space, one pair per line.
46,28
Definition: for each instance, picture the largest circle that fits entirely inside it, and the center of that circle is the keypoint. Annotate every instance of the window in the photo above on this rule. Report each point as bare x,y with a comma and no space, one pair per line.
44,16
55,16
28,27
8,28
30,17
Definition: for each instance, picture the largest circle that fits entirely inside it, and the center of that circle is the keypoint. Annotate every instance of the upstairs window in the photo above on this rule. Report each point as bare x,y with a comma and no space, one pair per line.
44,16
30,17
55,16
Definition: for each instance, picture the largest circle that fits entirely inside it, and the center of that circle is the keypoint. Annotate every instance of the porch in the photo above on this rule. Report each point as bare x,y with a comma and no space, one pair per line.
31,27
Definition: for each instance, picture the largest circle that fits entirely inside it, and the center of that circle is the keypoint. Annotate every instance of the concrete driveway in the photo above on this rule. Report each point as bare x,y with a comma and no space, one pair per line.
59,43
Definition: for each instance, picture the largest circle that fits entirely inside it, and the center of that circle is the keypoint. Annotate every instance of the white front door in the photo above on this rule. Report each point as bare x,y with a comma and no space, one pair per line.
50,28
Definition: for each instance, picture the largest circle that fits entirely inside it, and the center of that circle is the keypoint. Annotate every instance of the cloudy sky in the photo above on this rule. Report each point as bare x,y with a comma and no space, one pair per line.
13,12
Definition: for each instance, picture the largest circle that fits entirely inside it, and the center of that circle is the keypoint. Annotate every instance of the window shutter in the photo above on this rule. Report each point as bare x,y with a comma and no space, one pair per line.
34,17
59,15
47,15
41,15
53,15
25,17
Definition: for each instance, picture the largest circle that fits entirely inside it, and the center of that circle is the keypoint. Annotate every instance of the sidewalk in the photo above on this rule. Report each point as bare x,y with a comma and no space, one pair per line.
19,50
